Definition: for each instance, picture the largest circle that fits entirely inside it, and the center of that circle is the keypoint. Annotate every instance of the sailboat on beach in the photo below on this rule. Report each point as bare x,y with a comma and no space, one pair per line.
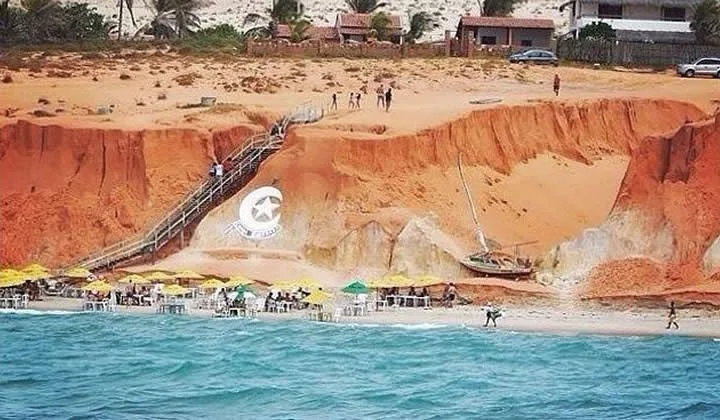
493,263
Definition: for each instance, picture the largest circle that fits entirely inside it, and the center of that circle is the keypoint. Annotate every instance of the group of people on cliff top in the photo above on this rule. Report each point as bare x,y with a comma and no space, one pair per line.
384,99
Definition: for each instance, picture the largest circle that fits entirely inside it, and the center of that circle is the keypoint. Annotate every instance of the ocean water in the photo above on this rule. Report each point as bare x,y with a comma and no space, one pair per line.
111,366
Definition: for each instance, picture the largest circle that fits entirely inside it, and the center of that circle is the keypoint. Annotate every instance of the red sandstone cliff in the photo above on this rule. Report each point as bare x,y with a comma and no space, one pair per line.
396,203
672,186
65,192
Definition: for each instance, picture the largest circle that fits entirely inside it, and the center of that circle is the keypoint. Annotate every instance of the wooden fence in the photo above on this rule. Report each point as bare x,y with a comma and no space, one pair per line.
333,50
633,53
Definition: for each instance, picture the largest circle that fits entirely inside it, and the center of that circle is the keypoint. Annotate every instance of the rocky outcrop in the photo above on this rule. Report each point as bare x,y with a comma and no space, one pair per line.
65,192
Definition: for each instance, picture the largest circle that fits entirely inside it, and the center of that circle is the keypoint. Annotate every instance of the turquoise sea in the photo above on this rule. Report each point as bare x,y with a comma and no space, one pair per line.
110,366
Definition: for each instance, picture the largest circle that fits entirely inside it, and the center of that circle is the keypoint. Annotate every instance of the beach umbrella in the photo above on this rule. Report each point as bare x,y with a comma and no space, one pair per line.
398,280
78,273
243,288
317,297
236,281
173,290
212,284
189,275
98,286
36,275
11,281
380,283
283,285
426,280
159,276
356,288
134,279
304,283
35,267
7,272
249,295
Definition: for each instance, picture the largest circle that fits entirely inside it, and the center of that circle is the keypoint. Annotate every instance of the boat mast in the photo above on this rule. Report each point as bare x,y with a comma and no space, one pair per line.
478,231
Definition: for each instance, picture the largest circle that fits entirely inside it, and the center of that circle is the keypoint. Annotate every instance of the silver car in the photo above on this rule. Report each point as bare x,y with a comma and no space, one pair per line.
703,66
534,56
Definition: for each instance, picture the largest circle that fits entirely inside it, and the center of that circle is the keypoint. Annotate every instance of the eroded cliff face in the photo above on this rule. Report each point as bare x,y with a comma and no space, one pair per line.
665,222
380,203
66,192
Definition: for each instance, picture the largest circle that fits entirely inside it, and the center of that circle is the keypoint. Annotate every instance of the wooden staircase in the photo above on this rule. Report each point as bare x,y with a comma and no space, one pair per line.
245,162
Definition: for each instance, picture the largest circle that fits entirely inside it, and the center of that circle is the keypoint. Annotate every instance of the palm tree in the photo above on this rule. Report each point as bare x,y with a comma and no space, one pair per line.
379,24
419,23
283,12
171,19
298,30
41,18
498,7
122,4
185,18
365,6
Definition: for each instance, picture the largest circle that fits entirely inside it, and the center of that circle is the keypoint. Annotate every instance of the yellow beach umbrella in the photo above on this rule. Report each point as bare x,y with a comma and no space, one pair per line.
398,280
212,284
11,281
380,283
190,275
36,275
159,276
236,281
6,272
426,280
173,290
134,279
283,285
306,283
35,267
98,286
78,273
317,297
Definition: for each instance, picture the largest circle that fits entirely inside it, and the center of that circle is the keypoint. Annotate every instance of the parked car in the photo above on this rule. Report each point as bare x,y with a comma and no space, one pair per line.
704,66
534,56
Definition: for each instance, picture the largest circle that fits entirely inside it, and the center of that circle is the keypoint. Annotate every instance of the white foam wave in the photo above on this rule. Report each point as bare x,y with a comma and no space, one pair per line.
399,326
36,312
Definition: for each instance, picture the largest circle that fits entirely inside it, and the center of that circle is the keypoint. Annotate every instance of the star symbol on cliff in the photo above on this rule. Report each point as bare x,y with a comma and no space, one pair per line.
265,208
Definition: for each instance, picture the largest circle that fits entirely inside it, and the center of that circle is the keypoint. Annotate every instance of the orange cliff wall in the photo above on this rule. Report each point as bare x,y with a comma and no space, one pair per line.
673,184
347,197
66,192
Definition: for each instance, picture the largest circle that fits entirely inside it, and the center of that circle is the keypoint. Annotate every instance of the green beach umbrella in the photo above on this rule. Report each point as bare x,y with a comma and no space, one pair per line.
356,288
243,288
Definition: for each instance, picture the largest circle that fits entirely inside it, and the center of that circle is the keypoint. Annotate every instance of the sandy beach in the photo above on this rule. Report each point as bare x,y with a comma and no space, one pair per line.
556,319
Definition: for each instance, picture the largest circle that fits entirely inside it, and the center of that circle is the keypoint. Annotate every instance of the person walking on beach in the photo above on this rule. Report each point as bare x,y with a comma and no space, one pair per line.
388,99
556,85
491,314
351,104
333,105
380,91
672,317
357,100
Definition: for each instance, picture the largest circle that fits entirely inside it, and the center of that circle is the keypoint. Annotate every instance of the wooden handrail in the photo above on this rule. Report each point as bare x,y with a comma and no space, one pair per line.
246,160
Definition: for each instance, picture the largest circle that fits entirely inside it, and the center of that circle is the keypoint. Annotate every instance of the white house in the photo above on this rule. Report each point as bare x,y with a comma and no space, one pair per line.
636,20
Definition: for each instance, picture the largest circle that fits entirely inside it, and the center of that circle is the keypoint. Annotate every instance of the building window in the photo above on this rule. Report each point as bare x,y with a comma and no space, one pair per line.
673,13
526,43
488,40
610,11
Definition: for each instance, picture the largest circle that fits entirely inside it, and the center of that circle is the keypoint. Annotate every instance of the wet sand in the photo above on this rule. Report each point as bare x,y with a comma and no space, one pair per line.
567,320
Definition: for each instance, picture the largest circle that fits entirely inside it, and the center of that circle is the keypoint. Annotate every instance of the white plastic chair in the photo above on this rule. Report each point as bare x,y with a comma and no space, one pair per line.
337,314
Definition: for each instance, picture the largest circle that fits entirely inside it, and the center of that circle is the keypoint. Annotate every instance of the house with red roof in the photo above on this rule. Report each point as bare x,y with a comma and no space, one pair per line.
316,33
356,27
506,31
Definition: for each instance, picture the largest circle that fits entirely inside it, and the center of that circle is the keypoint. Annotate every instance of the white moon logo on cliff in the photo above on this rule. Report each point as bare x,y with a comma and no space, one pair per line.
259,217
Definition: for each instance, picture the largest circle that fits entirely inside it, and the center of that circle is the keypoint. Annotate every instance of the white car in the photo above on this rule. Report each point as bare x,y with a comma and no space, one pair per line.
703,66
